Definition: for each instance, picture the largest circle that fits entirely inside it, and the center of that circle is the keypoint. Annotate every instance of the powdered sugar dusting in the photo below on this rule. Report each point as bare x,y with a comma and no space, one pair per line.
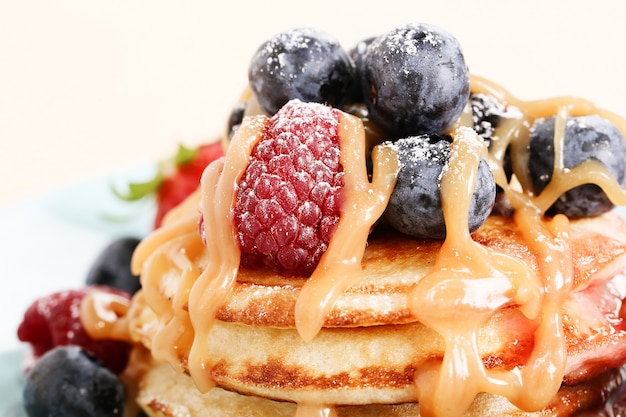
420,149
409,40
280,50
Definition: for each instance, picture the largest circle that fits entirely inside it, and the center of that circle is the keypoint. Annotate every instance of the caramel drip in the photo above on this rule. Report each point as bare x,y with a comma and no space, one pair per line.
541,377
175,223
564,178
340,266
466,286
103,315
514,130
213,286
172,339
185,320
172,249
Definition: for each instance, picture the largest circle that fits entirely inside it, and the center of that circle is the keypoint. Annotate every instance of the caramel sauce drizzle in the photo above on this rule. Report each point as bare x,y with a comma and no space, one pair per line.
340,266
515,132
442,299
213,286
171,341
106,315
467,284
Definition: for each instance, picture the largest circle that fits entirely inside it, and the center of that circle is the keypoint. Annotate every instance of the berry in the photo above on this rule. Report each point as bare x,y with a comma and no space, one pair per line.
415,80
235,118
68,381
54,320
415,204
486,114
357,53
586,137
175,179
185,178
302,63
288,199
112,267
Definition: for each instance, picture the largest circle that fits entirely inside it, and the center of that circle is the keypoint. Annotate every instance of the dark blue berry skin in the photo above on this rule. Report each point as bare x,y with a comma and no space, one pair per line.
112,267
586,137
303,63
414,207
235,118
357,53
486,114
415,81
69,382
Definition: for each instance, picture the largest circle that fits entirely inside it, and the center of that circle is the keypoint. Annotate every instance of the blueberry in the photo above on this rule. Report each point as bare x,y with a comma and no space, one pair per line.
357,52
303,63
415,80
69,382
586,137
235,118
415,204
112,267
486,115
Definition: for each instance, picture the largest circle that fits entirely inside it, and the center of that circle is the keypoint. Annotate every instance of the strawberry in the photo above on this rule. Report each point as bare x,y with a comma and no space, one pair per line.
185,178
176,178
288,199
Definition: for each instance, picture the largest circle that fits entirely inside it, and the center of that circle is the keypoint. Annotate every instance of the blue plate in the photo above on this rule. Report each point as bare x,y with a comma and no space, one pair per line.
11,384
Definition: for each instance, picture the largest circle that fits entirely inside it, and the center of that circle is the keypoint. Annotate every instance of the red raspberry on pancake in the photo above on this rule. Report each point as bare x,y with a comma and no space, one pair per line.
289,198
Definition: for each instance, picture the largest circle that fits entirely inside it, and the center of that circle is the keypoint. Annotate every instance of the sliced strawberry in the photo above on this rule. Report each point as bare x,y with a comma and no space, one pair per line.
288,199
175,179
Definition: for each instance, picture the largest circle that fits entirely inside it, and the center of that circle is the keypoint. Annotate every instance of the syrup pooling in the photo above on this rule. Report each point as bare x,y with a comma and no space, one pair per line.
535,384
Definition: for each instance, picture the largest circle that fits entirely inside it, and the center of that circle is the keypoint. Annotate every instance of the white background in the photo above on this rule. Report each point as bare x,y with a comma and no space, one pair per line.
88,87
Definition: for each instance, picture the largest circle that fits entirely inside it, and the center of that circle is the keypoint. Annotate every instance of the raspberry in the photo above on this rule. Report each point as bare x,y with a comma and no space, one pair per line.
289,198
54,320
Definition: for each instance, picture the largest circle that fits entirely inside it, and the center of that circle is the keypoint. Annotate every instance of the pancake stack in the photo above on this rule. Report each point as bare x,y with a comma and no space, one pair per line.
521,317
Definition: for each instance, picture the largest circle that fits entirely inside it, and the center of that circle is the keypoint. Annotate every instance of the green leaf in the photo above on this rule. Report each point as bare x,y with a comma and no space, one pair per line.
185,155
138,190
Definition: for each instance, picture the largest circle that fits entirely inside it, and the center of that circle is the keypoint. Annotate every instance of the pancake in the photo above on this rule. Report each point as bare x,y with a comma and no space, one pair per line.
166,393
255,349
